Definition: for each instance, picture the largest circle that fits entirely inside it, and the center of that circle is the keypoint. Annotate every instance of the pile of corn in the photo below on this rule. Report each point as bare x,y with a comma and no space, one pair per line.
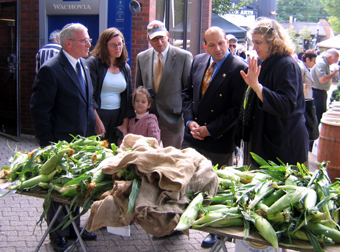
277,201
70,170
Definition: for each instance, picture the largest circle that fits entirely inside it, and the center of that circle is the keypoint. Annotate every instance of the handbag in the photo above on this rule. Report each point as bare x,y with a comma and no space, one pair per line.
311,121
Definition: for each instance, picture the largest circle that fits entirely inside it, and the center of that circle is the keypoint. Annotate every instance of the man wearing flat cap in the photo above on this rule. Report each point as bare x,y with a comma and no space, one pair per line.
163,69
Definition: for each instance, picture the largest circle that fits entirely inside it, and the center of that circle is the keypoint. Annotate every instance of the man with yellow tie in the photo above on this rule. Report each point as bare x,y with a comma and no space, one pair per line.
211,102
163,70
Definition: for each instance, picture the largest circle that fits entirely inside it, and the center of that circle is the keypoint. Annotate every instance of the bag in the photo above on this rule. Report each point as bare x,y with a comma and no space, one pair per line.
311,121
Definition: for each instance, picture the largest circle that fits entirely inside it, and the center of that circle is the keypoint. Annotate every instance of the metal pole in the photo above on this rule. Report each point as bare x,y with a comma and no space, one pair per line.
48,228
76,229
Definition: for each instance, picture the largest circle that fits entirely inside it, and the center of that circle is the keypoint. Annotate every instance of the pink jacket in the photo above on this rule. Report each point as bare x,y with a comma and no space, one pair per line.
146,126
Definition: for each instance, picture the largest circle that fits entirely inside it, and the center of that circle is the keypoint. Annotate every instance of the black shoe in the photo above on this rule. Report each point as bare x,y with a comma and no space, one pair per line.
59,244
176,232
209,241
86,236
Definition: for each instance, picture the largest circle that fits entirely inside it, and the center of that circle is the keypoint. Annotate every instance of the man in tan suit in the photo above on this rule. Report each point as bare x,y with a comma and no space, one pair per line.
165,82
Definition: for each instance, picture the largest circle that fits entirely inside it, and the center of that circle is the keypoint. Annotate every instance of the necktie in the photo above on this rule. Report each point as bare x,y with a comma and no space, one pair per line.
158,72
81,78
207,77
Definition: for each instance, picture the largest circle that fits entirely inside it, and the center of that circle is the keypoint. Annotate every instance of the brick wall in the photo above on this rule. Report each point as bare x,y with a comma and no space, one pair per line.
139,32
29,32
206,18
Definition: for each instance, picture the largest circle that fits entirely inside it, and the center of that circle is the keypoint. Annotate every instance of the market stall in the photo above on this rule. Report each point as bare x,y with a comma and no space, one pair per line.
164,176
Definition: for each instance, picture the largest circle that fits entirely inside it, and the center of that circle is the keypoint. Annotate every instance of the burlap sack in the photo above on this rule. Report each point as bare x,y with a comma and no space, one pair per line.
166,175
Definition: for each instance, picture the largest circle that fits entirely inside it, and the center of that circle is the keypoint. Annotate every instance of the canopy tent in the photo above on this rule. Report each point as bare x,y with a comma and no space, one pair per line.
228,27
239,32
333,42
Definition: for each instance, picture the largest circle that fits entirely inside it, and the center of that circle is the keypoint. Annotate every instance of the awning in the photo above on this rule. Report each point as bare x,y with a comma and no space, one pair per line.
333,42
238,32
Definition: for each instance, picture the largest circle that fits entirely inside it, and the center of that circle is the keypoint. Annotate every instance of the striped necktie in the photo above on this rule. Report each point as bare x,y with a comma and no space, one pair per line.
207,78
158,72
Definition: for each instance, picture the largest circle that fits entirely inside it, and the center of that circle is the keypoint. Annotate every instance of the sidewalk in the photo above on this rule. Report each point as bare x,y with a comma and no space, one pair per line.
19,214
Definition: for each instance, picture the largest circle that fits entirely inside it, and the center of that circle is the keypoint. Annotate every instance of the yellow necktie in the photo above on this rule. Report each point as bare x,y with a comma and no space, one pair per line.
158,72
207,77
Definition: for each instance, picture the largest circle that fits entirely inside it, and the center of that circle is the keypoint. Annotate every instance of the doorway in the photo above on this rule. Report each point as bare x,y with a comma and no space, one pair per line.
9,69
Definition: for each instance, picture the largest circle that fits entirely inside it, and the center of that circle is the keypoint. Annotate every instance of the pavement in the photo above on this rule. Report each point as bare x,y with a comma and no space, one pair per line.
19,215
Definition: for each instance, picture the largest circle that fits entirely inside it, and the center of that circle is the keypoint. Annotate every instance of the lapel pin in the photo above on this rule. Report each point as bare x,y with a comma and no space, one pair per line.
224,75
86,67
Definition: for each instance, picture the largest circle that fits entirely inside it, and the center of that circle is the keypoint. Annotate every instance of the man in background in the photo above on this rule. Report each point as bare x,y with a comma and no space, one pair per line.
232,43
49,50
302,51
322,77
163,70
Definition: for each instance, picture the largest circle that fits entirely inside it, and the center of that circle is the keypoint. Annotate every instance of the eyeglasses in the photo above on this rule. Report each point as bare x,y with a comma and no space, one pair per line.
158,38
233,46
116,45
84,41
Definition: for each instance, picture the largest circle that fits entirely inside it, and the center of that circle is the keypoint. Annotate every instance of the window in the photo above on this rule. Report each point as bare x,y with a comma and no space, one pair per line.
183,21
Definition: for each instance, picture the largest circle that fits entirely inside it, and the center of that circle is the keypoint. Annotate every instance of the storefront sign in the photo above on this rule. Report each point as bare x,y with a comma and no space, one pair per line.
65,7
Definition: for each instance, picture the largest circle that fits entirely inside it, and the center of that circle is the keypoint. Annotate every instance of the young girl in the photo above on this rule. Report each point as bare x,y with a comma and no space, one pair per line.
144,124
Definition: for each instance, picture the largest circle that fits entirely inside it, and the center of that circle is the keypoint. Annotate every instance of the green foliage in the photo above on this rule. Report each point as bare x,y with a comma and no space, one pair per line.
293,36
333,9
226,6
302,10
305,33
336,94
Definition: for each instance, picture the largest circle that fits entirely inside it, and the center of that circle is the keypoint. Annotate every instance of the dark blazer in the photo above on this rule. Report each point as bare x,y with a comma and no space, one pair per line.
59,106
219,107
98,71
279,129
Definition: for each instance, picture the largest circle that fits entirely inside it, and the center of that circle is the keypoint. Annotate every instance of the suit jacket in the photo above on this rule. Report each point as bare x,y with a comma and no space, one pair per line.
167,103
219,108
59,106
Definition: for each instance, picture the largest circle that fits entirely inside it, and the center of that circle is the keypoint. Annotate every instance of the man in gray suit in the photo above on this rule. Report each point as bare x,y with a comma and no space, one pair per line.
167,89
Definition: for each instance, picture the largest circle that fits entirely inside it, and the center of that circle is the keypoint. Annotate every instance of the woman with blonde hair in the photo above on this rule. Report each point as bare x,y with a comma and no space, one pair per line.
272,114
112,88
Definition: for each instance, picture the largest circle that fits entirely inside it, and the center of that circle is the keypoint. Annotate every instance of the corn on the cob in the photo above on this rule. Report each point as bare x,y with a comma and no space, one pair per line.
265,229
273,197
216,220
18,163
190,213
291,197
310,199
34,181
52,162
324,230
266,189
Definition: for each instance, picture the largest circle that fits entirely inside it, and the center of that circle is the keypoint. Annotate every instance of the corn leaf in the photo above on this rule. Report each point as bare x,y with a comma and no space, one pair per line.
313,240
259,160
79,179
134,194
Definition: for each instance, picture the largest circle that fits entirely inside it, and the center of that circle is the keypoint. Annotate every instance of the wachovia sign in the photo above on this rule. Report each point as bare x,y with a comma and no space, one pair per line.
74,7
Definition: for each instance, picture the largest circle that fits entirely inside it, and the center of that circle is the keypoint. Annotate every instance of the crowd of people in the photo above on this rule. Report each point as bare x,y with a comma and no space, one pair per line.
212,102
